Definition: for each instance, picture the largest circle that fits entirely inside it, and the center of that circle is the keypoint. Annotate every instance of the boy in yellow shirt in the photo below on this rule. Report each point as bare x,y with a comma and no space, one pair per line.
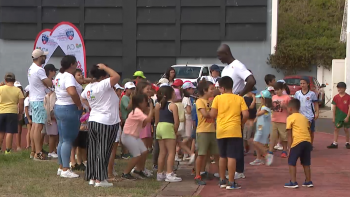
231,112
299,144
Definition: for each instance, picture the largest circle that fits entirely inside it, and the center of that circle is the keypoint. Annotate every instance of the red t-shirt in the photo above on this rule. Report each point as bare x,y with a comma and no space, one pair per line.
342,103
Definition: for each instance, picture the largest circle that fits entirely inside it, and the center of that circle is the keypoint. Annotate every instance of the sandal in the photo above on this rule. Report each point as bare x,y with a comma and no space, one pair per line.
40,157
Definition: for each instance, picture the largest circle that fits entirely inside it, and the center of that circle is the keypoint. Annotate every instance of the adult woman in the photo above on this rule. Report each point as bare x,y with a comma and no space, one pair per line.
11,110
170,75
67,111
103,122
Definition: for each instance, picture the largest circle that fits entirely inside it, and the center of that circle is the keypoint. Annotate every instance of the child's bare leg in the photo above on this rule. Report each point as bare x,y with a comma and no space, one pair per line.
346,131
307,171
336,134
222,168
293,173
28,135
231,170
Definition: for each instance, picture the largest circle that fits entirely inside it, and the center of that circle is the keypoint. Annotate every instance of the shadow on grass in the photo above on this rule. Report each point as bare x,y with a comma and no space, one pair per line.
21,176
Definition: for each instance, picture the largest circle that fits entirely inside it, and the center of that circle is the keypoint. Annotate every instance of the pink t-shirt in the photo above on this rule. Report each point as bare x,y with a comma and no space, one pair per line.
133,123
177,94
279,104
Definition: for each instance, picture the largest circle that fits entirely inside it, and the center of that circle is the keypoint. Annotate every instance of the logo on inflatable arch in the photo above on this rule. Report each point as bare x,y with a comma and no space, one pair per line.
44,38
70,34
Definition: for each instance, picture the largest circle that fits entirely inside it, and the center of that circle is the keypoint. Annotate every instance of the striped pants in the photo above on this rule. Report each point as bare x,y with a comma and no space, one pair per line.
101,139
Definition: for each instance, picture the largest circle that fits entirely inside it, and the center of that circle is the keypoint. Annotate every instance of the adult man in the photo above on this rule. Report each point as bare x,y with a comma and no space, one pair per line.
138,76
214,74
243,82
38,82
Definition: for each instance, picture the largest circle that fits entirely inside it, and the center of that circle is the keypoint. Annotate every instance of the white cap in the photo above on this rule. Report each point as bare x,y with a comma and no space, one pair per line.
164,84
17,84
38,53
117,86
27,88
163,80
270,88
129,85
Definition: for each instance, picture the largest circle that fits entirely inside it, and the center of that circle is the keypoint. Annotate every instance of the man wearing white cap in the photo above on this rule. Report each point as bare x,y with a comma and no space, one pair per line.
38,82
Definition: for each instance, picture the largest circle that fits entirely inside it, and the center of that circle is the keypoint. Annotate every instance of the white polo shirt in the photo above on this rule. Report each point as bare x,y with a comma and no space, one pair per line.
238,73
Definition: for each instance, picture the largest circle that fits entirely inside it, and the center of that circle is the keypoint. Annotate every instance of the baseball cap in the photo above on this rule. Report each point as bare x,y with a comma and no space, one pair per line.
341,85
163,80
155,87
188,85
178,82
50,67
10,76
215,68
129,85
270,88
38,53
27,88
139,74
117,86
306,79
282,81
164,84
17,84
264,94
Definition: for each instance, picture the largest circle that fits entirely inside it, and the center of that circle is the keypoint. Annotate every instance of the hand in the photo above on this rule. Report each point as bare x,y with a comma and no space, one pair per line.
2,83
80,107
316,117
101,66
346,119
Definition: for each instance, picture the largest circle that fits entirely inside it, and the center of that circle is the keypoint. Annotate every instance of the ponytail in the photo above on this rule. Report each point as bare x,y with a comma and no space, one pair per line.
164,94
286,88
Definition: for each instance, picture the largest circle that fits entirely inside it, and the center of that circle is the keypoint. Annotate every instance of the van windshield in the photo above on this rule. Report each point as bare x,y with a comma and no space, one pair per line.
187,72
292,81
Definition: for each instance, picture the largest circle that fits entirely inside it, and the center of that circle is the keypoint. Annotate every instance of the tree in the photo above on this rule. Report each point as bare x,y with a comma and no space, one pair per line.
308,34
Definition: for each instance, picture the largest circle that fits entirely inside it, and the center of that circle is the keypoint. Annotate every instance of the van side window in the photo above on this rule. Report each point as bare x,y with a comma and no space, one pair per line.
205,71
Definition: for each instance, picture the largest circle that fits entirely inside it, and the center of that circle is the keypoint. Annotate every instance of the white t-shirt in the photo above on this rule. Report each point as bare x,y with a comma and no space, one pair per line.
79,89
103,102
36,86
238,73
186,101
64,81
26,104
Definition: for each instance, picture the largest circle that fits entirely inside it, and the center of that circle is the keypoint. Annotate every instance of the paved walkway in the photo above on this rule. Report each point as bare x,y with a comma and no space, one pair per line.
330,173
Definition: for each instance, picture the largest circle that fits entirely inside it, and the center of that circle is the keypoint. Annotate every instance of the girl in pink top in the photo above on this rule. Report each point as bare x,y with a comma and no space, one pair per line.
131,135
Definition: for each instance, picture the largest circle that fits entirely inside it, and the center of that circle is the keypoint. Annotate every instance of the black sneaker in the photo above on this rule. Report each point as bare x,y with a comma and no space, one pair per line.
82,167
76,167
128,176
333,146
140,174
207,176
45,152
199,181
347,145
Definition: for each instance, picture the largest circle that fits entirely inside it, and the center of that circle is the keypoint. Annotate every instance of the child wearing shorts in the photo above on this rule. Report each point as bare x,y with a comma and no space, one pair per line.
248,129
299,144
51,124
341,114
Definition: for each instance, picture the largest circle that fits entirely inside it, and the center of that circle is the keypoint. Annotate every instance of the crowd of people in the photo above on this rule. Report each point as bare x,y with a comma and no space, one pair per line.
174,120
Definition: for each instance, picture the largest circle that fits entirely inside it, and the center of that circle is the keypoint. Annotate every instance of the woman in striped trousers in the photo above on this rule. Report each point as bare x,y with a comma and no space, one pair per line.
103,123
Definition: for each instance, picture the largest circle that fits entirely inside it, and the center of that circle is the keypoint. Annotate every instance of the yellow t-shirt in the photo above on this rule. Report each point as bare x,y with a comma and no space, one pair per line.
228,122
9,98
181,111
300,128
204,124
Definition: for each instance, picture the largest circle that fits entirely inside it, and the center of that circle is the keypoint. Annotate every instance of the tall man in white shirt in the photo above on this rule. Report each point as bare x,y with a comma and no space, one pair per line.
38,82
243,82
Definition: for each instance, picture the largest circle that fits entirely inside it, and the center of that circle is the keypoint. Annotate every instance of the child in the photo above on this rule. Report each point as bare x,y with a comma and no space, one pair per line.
308,104
250,100
285,87
206,137
51,124
111,171
177,88
125,109
270,81
299,144
131,135
20,122
341,114
278,118
28,118
167,121
227,108
188,90
263,125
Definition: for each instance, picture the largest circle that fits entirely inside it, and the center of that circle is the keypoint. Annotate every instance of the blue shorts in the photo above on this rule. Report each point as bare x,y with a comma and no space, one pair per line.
302,151
38,112
312,126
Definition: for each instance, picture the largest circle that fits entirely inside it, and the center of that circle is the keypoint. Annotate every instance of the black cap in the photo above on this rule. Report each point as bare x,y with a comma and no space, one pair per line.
50,67
341,85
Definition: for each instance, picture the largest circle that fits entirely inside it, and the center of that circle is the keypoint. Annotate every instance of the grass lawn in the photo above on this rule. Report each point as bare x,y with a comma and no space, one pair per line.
21,176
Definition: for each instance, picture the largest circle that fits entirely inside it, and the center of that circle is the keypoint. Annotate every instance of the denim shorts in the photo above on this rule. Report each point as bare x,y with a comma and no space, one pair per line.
38,112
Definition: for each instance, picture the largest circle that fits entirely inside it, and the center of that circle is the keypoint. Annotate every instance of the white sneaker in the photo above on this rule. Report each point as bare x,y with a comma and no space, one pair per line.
92,182
104,183
59,171
161,176
186,157
53,155
192,158
177,158
278,147
239,175
172,178
256,162
69,174
147,172
217,175
269,159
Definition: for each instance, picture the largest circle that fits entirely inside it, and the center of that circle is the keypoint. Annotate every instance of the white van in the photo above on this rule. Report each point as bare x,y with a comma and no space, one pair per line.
193,72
